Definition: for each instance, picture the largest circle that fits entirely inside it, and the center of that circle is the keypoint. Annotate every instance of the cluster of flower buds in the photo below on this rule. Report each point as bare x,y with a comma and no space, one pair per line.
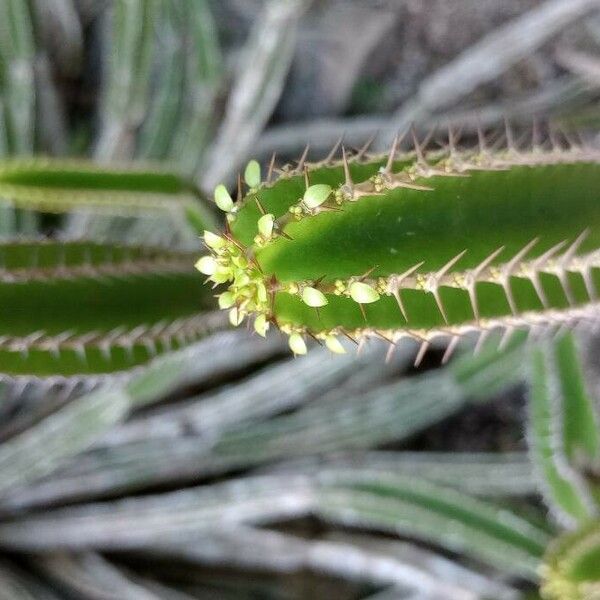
247,292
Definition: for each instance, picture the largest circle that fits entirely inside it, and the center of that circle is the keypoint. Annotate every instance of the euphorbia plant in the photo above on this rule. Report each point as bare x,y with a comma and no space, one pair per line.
416,244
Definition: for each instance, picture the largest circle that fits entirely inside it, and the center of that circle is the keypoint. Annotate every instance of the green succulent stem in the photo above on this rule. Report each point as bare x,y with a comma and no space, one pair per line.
83,308
57,186
416,244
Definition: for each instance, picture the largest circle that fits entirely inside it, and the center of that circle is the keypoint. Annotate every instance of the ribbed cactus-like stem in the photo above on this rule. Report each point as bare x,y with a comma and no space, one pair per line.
60,186
82,308
419,245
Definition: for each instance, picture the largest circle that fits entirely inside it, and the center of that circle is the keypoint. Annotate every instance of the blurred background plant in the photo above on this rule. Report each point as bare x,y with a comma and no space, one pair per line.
225,469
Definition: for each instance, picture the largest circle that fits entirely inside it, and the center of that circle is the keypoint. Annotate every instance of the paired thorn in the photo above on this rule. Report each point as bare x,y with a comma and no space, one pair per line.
432,284
471,283
564,262
507,272
538,265
398,284
418,150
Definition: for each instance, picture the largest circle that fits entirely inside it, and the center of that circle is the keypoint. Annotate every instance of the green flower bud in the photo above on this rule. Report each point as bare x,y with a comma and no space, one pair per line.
236,316
334,345
222,198
214,241
252,174
265,226
363,293
261,325
226,300
207,265
297,344
313,297
316,195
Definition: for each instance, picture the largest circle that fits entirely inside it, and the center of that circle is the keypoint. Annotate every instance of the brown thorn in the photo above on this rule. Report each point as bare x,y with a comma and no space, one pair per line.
499,141
538,264
510,142
434,287
396,294
507,272
483,336
421,353
363,149
520,141
310,334
508,333
418,150
481,141
452,344
588,281
333,151
554,143
260,206
365,275
450,264
390,161
361,345
429,135
239,188
383,337
440,305
398,284
570,253
571,143
521,254
300,166
390,353
472,287
363,312
486,261
348,179
271,167
564,261
451,141
346,334
535,134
